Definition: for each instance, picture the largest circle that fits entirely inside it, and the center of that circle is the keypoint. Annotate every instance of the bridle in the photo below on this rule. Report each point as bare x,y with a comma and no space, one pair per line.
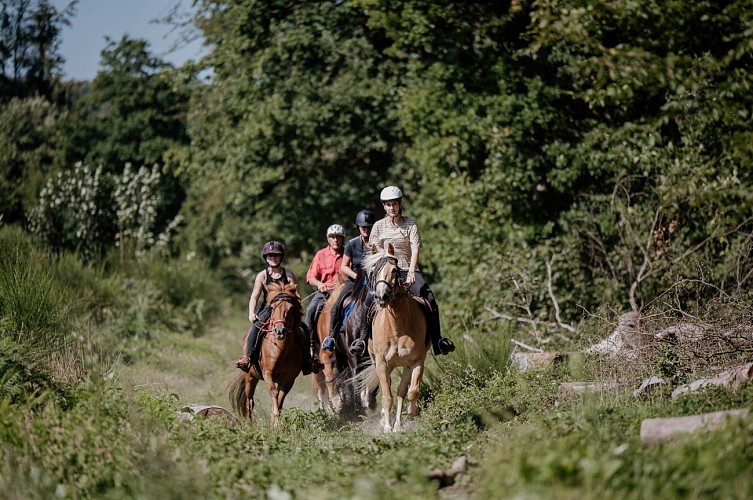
395,282
273,323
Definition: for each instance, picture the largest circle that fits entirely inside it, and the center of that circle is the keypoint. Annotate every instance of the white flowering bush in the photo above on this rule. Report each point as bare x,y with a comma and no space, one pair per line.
139,199
89,210
74,211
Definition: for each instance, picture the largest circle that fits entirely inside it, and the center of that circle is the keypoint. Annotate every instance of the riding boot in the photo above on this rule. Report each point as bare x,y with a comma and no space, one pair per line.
440,345
358,346
250,353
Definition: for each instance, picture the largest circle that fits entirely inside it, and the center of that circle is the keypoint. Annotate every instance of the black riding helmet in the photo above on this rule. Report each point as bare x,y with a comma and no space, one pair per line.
272,247
365,218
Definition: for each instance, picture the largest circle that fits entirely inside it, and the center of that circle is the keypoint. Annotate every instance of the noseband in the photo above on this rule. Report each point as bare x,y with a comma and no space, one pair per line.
278,300
395,281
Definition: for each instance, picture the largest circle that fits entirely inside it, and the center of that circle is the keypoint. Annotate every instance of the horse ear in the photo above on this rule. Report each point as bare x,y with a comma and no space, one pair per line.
390,249
373,249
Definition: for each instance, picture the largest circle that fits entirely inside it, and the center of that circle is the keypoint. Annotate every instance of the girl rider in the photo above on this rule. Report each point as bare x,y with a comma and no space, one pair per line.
272,252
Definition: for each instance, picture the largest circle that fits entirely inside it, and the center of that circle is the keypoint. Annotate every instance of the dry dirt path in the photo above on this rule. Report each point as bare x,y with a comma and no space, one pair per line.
197,370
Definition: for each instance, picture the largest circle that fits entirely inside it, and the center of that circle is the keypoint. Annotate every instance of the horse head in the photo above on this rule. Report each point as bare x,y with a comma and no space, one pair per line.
286,309
385,276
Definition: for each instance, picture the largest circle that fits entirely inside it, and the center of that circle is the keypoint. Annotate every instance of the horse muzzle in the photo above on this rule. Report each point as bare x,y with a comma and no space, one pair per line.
281,331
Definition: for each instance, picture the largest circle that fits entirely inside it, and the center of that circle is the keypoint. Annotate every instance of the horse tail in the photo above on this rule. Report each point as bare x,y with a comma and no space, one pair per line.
367,379
237,393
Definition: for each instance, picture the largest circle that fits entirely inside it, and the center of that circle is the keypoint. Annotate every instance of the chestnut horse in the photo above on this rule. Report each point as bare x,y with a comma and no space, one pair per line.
280,359
325,382
399,338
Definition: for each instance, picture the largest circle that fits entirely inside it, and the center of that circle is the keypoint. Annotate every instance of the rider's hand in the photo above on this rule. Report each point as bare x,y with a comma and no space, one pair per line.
322,287
252,317
410,278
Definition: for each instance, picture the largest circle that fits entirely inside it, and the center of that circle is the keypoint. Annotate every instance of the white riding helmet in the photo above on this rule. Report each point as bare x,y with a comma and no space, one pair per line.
391,193
336,229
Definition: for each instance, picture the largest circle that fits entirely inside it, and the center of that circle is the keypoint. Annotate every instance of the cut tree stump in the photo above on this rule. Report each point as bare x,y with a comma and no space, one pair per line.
655,430
568,389
532,361
731,379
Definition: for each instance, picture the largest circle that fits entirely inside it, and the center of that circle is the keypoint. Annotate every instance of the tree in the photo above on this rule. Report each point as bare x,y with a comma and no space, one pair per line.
295,130
29,43
133,111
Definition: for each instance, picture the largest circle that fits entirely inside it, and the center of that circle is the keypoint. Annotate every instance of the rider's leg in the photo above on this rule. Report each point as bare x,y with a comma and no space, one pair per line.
336,316
250,352
364,331
310,329
440,344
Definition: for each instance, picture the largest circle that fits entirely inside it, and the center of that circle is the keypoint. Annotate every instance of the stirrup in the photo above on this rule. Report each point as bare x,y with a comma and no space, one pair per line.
328,344
357,346
446,346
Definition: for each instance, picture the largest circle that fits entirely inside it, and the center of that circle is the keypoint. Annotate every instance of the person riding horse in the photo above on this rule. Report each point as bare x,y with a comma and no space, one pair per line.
323,275
402,232
272,252
351,264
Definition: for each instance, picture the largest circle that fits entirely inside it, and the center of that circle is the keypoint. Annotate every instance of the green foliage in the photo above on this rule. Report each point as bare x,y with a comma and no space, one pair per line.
295,124
29,43
133,112
26,154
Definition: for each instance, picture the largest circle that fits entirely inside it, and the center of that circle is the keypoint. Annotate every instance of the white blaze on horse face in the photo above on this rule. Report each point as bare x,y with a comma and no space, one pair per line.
382,293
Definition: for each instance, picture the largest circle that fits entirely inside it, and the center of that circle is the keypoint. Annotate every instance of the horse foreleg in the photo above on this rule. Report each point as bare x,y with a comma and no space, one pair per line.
402,390
383,373
273,396
250,389
329,382
282,392
317,381
417,373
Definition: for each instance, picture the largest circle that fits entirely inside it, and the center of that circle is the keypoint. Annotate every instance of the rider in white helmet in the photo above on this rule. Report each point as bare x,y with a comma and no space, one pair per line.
354,251
323,275
405,237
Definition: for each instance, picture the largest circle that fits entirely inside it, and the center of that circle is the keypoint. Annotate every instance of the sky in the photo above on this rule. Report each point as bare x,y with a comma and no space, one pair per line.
83,41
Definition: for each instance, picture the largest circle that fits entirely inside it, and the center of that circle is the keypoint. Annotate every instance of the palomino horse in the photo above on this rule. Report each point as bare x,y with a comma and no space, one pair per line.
398,338
325,382
281,356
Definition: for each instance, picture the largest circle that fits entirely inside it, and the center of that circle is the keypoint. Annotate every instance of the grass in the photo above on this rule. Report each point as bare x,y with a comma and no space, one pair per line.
112,430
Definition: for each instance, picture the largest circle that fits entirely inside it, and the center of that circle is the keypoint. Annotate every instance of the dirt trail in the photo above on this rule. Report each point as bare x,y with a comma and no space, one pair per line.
197,370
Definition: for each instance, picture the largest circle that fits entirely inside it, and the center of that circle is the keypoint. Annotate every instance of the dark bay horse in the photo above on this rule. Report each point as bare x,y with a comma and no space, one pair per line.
358,398
280,359
399,338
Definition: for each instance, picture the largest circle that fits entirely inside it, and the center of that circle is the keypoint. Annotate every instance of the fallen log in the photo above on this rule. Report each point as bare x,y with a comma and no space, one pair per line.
732,379
655,430
650,384
568,389
529,361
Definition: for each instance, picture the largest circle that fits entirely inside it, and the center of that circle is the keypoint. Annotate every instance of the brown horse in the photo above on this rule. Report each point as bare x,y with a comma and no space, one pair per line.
398,338
281,357
325,382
